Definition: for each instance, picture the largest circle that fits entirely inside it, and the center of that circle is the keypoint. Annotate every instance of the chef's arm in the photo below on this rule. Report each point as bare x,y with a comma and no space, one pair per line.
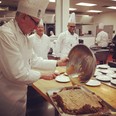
62,62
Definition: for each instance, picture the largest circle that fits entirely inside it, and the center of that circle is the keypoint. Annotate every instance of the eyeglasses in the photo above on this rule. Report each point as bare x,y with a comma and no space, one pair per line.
36,23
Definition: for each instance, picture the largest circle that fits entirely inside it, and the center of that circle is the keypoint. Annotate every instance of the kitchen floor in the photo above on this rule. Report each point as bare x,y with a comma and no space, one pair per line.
38,106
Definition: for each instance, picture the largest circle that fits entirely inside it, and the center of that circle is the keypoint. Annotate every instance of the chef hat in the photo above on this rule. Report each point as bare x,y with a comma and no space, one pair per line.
34,8
41,22
72,20
101,26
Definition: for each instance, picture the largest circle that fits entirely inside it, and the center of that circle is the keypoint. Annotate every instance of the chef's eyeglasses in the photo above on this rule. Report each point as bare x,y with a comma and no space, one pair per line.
36,23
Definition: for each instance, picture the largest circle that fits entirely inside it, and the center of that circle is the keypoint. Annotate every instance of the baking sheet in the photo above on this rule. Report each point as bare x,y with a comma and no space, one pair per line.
50,94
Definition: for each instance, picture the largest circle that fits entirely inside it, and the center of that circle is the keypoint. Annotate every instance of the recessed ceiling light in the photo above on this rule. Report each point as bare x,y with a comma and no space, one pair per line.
71,9
51,0
4,9
0,2
95,11
85,4
111,7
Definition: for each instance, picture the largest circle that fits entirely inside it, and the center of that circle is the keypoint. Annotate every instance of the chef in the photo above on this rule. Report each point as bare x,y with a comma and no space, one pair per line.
17,58
40,41
68,39
102,37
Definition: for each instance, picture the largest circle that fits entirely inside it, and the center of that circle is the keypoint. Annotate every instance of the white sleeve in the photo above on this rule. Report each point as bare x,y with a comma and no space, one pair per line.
12,64
58,46
98,38
42,64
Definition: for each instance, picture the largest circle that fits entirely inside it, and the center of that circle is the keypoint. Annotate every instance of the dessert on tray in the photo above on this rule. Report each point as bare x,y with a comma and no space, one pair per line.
78,101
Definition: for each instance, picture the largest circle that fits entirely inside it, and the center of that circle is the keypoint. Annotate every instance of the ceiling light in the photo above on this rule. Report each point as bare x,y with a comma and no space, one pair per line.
51,0
111,7
71,9
3,9
95,11
113,0
0,2
85,4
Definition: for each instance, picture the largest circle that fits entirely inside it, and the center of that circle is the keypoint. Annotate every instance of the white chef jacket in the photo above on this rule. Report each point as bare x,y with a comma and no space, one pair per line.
41,45
65,43
102,39
16,62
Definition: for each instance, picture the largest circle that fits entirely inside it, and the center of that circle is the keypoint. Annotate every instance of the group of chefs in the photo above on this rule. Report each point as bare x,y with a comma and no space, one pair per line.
19,55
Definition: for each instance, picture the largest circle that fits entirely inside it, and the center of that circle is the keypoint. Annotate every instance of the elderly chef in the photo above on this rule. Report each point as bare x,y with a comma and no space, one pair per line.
40,41
102,37
17,58
68,39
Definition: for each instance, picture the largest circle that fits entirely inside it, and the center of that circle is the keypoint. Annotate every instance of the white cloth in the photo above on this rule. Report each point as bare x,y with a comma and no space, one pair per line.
102,39
41,45
65,43
16,61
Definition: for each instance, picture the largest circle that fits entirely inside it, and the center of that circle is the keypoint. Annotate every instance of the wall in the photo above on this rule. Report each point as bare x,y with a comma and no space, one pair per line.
84,19
49,18
86,28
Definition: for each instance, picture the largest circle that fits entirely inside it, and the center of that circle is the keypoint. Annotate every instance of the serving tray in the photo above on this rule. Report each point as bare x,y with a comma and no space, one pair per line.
106,112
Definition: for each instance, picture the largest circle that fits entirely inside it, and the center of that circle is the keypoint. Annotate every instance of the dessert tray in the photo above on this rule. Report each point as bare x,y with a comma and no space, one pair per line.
106,108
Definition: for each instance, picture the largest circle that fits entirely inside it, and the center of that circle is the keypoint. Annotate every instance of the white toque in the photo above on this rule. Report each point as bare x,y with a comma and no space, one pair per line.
41,22
101,26
72,19
34,8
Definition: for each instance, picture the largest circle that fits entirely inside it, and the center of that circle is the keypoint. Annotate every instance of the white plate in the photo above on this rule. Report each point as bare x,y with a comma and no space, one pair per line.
114,69
113,81
97,73
105,71
112,75
103,66
103,78
93,83
62,78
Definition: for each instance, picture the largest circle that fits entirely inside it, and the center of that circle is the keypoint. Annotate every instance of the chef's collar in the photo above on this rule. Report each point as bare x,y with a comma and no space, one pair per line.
17,27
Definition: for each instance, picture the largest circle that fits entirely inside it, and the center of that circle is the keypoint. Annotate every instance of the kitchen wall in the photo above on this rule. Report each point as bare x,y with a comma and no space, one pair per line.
87,28
106,18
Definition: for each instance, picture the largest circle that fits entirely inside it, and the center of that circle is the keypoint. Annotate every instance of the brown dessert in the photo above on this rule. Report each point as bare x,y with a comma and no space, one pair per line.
77,101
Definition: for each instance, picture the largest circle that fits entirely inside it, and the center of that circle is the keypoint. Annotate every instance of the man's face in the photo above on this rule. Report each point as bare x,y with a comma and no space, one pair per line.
28,24
40,30
71,29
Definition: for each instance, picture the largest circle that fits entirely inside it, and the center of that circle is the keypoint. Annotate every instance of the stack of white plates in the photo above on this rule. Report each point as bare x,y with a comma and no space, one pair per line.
103,66
103,78
97,73
112,75
106,71
113,81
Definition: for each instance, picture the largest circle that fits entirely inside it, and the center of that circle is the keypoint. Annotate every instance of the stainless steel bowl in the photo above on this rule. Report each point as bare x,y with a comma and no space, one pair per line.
81,61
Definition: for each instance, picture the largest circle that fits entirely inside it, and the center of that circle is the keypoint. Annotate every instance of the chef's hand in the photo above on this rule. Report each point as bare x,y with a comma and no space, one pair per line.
62,62
49,76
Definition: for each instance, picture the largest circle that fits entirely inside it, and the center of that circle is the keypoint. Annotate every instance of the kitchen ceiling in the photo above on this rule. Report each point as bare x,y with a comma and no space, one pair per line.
11,5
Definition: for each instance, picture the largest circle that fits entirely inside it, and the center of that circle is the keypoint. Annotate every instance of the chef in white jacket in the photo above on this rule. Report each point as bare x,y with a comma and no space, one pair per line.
17,58
40,41
68,39
102,37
